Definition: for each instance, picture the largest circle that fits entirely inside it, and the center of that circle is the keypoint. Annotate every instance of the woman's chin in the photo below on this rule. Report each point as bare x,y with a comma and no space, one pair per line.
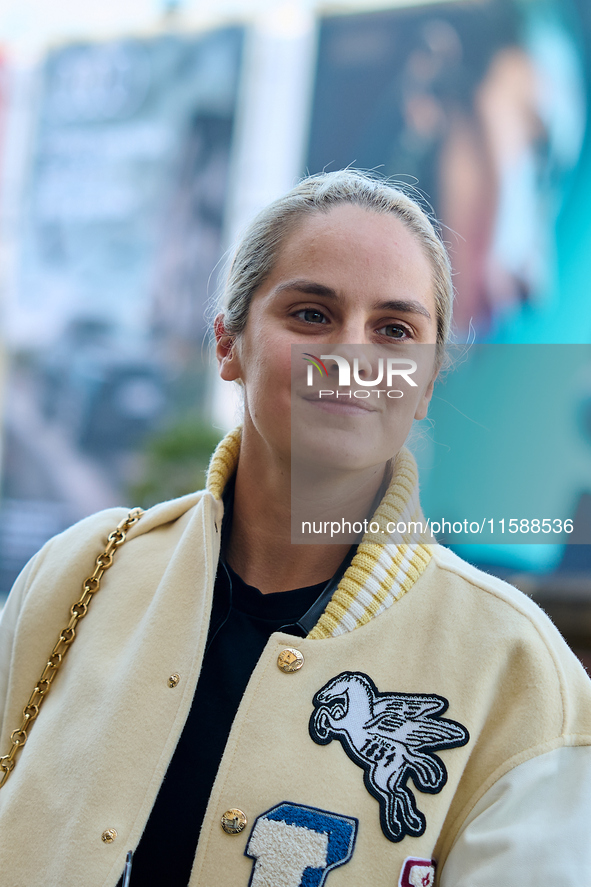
332,454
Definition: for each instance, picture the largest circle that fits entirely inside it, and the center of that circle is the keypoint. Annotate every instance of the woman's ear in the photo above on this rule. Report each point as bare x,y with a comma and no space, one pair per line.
226,352
423,404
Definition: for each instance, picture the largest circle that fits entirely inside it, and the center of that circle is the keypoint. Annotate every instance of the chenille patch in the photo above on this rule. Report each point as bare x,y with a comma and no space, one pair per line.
417,872
392,736
298,846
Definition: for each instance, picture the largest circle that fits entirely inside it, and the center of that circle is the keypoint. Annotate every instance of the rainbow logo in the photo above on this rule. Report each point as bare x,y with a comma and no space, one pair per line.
315,361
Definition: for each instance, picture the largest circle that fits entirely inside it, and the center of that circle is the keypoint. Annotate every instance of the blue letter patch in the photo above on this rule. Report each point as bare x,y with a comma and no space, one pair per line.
393,737
297,846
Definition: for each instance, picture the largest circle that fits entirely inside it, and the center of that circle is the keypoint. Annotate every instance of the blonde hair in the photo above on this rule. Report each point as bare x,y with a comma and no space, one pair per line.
259,248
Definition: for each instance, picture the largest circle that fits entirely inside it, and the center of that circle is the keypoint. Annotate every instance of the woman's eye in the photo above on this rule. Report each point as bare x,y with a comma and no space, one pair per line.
311,315
394,331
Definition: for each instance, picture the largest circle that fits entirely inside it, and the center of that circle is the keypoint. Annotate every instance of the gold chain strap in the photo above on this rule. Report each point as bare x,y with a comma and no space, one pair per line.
67,635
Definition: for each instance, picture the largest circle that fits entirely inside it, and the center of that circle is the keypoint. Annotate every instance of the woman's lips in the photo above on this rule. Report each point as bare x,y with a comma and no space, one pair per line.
343,405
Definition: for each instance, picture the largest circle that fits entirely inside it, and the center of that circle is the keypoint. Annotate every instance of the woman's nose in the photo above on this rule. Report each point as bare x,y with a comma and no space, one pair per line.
359,360
362,361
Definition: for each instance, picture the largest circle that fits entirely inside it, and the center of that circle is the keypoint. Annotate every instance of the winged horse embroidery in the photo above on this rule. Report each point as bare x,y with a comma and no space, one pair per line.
393,737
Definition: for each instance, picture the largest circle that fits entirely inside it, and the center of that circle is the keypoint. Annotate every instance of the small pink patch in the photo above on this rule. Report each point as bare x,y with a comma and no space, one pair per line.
417,872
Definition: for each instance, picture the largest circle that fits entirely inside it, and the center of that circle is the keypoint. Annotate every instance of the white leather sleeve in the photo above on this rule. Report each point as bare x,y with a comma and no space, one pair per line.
531,829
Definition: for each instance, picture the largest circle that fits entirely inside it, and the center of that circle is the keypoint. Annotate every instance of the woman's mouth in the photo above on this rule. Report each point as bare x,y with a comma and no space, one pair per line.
343,404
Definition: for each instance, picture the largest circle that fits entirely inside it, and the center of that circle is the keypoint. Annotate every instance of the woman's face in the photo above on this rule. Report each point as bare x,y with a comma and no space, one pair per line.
347,277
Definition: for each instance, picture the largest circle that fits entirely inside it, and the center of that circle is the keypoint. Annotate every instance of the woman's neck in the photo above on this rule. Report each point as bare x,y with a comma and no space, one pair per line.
259,547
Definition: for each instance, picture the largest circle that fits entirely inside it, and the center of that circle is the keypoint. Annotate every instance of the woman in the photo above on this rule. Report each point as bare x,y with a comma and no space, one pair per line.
396,716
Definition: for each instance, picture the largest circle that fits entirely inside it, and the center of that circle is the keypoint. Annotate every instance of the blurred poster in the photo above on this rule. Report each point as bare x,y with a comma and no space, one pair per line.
3,90
121,229
483,106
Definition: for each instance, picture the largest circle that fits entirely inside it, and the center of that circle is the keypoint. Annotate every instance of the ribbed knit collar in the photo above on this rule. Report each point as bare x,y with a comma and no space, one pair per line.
379,575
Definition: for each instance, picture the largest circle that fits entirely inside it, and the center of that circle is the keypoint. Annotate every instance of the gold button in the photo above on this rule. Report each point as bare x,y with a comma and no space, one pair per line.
233,821
174,680
290,660
109,835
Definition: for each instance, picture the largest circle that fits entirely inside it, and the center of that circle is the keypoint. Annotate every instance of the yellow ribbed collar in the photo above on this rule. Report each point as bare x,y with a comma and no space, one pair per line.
223,463
379,574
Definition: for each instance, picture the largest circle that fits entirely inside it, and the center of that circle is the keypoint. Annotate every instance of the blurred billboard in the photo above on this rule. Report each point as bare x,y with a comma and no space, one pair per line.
483,109
483,106
124,195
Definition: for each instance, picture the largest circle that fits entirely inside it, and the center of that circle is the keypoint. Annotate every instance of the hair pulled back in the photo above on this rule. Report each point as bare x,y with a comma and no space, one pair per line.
258,251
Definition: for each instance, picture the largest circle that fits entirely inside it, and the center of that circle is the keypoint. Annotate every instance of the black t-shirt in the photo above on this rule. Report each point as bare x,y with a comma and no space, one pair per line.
242,621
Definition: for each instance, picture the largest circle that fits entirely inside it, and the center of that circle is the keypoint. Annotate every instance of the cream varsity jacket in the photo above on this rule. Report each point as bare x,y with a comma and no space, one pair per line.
438,732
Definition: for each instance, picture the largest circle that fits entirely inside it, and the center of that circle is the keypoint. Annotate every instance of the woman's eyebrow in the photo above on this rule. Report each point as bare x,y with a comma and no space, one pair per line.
309,287
406,306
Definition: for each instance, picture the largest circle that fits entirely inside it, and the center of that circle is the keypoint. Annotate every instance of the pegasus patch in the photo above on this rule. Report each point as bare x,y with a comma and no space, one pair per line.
392,736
